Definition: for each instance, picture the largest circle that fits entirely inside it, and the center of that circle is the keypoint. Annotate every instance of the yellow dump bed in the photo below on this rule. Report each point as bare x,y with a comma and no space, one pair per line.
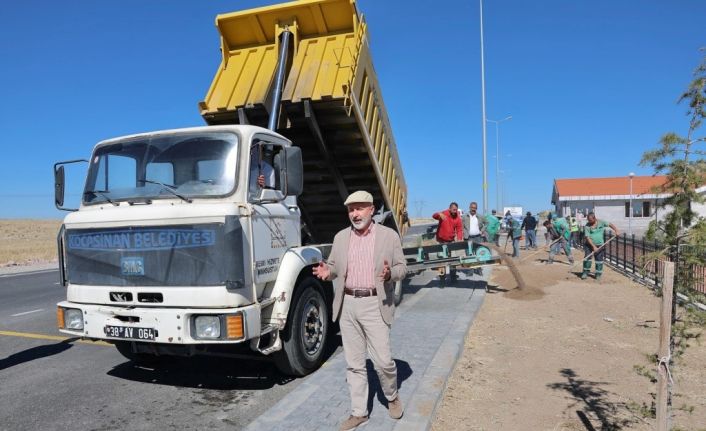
331,106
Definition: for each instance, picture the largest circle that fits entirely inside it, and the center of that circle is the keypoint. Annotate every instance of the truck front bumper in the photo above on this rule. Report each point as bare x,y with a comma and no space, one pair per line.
161,325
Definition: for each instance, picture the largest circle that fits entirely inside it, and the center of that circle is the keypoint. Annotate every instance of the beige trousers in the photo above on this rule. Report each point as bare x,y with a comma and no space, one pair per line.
362,328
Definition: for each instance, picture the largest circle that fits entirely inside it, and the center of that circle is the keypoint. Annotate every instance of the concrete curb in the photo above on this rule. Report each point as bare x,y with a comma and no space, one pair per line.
425,362
430,391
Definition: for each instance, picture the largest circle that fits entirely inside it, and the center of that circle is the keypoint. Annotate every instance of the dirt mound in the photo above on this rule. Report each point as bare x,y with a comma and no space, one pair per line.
538,275
526,279
510,264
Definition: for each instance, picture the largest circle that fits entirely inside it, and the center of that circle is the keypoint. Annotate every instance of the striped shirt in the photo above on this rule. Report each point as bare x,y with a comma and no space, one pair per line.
361,266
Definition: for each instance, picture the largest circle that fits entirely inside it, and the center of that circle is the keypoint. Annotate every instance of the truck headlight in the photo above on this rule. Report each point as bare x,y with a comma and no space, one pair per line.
207,326
73,318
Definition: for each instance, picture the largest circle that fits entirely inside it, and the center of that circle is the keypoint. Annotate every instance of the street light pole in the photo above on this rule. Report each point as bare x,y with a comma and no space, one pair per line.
482,83
498,202
631,174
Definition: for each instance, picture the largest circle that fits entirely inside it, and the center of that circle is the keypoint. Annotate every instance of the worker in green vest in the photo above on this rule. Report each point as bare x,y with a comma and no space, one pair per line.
516,231
492,227
574,227
564,230
594,236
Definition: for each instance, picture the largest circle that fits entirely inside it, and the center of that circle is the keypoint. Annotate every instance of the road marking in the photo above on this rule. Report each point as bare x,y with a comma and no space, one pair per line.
52,338
27,312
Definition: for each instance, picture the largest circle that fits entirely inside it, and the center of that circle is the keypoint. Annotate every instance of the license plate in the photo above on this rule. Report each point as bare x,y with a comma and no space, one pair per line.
130,332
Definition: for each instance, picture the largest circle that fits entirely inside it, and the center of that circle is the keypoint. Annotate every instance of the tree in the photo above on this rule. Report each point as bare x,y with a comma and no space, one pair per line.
682,230
681,159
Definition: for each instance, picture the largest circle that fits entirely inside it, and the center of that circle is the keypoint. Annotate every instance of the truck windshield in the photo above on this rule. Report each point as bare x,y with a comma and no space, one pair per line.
182,166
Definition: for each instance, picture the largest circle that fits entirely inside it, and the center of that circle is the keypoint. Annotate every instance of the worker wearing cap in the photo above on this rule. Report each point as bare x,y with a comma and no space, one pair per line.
365,262
594,234
529,224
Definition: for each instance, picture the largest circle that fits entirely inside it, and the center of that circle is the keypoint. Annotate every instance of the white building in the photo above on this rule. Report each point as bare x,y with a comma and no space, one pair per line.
612,199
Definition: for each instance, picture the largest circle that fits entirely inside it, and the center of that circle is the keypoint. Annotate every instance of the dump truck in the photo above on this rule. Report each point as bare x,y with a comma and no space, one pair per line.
202,240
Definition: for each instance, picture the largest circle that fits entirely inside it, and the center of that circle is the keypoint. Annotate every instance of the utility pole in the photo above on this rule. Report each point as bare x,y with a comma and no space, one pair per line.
419,206
482,83
498,203
630,206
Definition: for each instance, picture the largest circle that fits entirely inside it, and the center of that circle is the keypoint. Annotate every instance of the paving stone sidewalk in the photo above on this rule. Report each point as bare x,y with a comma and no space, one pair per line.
427,339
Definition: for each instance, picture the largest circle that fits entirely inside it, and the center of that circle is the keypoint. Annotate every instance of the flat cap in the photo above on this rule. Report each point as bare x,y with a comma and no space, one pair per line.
361,196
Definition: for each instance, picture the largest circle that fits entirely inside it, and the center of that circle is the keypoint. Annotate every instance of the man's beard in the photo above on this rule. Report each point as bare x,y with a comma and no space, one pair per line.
361,223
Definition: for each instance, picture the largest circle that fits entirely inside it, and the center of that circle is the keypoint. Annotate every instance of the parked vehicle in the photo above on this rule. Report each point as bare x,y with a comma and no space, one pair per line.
177,250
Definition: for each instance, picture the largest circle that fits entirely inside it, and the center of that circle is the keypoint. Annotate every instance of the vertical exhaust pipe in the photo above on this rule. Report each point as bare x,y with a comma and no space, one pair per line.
276,99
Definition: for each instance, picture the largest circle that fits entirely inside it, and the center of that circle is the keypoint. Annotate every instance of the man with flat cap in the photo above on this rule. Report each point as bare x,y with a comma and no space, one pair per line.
365,262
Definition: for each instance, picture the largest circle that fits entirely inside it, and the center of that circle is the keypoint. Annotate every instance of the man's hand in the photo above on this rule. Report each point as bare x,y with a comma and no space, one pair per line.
442,216
595,249
386,274
261,181
322,271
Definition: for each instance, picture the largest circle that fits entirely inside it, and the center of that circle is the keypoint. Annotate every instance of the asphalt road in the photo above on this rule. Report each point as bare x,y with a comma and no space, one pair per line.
50,383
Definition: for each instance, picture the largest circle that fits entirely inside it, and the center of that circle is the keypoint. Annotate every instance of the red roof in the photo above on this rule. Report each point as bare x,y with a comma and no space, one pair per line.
608,186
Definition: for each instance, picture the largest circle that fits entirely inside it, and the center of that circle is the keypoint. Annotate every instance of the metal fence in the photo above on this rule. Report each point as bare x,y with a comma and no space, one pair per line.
626,255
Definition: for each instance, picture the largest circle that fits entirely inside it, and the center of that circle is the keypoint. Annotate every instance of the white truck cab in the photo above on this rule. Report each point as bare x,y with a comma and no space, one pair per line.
178,248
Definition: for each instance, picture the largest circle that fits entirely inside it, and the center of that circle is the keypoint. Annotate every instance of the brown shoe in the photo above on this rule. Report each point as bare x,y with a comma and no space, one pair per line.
395,408
353,422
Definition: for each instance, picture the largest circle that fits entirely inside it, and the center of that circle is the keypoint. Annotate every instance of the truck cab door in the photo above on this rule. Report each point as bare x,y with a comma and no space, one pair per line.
275,217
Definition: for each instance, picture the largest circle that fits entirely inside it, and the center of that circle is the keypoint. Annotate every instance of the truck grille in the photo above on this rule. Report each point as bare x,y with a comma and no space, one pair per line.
182,255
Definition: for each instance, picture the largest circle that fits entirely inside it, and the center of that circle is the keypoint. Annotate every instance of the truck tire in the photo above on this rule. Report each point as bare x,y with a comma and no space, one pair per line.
305,337
398,293
125,349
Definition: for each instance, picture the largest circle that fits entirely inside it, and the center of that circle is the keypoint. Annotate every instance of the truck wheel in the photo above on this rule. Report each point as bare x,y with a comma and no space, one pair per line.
398,293
125,349
305,337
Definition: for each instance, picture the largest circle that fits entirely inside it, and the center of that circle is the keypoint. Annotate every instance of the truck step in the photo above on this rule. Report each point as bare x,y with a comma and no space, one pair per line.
275,342
267,329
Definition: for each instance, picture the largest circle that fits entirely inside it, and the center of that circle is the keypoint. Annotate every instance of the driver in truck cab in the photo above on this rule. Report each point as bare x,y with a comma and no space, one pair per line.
262,172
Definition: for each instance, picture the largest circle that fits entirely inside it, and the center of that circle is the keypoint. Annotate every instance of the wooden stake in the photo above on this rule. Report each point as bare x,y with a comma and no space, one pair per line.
665,330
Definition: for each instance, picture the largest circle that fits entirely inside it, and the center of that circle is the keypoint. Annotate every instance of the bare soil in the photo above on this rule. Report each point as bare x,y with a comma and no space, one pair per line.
27,242
559,354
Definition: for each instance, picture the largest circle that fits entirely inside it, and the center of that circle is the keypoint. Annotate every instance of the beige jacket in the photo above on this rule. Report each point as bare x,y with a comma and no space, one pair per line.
387,247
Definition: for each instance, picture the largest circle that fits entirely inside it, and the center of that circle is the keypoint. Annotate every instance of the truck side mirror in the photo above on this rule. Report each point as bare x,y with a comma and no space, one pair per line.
60,183
293,172
59,186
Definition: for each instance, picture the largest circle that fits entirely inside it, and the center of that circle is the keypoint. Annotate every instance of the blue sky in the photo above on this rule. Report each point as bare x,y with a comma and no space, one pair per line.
590,86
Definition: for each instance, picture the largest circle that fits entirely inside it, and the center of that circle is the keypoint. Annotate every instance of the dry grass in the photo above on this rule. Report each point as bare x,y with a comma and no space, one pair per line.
24,242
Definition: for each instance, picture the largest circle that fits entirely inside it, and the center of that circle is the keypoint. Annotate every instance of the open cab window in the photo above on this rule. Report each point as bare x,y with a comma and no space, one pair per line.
266,164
